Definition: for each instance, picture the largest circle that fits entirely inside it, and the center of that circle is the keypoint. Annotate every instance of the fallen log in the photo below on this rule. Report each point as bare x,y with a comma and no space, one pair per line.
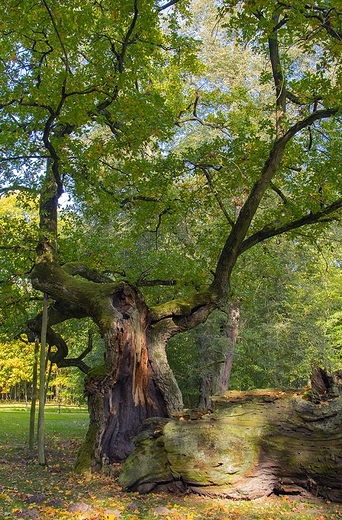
251,445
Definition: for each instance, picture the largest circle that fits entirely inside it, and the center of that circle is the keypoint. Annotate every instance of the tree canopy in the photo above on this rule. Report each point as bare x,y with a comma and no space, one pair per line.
151,146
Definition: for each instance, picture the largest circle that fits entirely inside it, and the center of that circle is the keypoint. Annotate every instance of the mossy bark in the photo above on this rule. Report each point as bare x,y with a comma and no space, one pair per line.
135,381
122,393
252,445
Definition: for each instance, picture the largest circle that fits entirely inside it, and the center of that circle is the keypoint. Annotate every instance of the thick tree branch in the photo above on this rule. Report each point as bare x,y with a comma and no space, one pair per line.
75,268
231,249
78,362
74,362
272,231
127,41
277,70
57,314
304,123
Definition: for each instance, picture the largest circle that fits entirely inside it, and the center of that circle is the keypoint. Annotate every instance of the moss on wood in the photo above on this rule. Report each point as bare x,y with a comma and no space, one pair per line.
85,453
182,307
249,447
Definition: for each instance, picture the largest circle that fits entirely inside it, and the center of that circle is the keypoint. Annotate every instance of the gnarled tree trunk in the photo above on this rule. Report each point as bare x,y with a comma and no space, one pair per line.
122,393
134,383
254,444
135,380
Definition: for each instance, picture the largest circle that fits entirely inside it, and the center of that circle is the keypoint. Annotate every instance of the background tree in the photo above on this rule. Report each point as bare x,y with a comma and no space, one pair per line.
289,321
91,98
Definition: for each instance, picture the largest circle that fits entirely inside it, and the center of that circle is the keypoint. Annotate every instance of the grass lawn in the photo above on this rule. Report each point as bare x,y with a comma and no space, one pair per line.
28,490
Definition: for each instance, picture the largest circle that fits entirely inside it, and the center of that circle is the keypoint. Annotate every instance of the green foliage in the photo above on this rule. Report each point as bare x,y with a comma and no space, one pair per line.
158,124
16,358
18,231
290,320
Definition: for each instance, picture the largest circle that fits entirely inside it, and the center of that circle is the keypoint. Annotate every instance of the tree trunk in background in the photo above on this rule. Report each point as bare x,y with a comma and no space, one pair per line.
34,393
230,330
216,380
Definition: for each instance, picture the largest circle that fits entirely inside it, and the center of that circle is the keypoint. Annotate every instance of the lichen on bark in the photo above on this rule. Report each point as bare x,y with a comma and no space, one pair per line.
252,445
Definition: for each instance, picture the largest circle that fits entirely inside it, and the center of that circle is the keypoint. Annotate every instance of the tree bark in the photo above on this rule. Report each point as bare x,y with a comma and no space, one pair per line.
254,444
231,331
216,380
122,392
135,380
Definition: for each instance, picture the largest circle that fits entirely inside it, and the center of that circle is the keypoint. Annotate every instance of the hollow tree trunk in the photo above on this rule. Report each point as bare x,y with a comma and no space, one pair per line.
135,382
131,385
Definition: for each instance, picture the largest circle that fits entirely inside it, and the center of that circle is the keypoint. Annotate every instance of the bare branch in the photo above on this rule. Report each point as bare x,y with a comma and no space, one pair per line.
168,4
22,157
216,195
154,283
278,192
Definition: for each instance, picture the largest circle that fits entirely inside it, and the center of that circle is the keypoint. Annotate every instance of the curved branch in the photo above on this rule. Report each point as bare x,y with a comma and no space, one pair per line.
278,76
183,309
78,362
268,232
75,268
57,315
231,249
126,42
304,123
74,362
47,7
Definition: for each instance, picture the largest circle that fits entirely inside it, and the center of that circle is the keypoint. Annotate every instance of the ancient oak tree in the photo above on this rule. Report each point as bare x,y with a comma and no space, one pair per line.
168,173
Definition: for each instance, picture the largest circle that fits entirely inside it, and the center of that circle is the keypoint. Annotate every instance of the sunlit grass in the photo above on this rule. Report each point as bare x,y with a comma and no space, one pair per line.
68,423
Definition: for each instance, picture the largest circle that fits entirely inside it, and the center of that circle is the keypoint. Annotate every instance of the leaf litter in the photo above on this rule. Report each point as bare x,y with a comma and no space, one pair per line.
30,491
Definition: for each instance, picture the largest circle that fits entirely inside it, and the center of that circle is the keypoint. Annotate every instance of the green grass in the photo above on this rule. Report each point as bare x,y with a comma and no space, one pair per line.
69,423
28,490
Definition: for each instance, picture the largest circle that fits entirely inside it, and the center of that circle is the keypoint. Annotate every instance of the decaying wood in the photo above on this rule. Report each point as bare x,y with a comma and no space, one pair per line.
252,445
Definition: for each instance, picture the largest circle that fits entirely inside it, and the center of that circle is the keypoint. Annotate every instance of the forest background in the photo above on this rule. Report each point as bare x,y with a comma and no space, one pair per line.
206,117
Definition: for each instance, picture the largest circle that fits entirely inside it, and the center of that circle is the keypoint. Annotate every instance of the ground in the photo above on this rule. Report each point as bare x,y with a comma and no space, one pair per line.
30,491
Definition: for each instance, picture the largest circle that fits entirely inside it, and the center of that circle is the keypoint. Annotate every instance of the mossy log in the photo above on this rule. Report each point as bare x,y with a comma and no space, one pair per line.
252,445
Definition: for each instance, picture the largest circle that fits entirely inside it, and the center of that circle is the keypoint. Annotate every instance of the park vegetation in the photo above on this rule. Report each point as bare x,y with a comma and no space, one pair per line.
170,179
